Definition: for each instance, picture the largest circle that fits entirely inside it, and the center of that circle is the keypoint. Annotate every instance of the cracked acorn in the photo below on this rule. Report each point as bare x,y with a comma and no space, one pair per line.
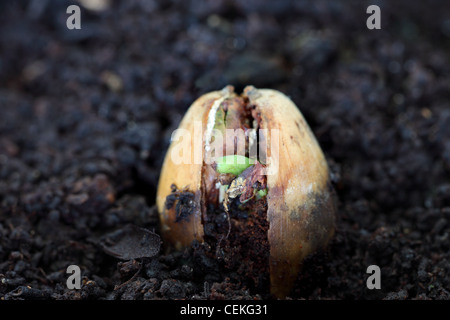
269,178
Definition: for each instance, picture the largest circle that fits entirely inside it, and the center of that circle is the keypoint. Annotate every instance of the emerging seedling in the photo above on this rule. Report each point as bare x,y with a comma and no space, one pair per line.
233,164
280,203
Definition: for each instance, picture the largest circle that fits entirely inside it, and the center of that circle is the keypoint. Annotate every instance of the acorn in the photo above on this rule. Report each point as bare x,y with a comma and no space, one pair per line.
249,165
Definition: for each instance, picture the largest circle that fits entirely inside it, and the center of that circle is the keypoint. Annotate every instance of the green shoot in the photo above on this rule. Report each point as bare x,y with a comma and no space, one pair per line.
261,193
234,164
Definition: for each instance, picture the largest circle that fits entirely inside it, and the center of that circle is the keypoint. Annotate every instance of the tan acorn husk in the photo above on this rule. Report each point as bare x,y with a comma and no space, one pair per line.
185,177
300,203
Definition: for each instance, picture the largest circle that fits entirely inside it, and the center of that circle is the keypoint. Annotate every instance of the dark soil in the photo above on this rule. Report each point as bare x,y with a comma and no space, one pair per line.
86,118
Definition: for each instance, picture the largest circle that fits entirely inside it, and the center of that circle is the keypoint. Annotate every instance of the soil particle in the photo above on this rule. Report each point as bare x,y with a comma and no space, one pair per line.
87,116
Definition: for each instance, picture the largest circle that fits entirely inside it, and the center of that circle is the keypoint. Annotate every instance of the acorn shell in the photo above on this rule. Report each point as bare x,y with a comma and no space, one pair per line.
300,200
188,176
301,203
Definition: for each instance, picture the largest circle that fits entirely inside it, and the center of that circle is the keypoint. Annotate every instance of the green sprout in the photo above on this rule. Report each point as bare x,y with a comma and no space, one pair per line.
261,193
234,164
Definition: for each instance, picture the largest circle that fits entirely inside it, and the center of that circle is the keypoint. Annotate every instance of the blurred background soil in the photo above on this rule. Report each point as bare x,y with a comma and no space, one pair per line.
86,117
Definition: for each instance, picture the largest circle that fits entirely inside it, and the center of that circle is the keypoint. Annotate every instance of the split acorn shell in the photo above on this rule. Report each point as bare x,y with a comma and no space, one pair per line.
300,199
